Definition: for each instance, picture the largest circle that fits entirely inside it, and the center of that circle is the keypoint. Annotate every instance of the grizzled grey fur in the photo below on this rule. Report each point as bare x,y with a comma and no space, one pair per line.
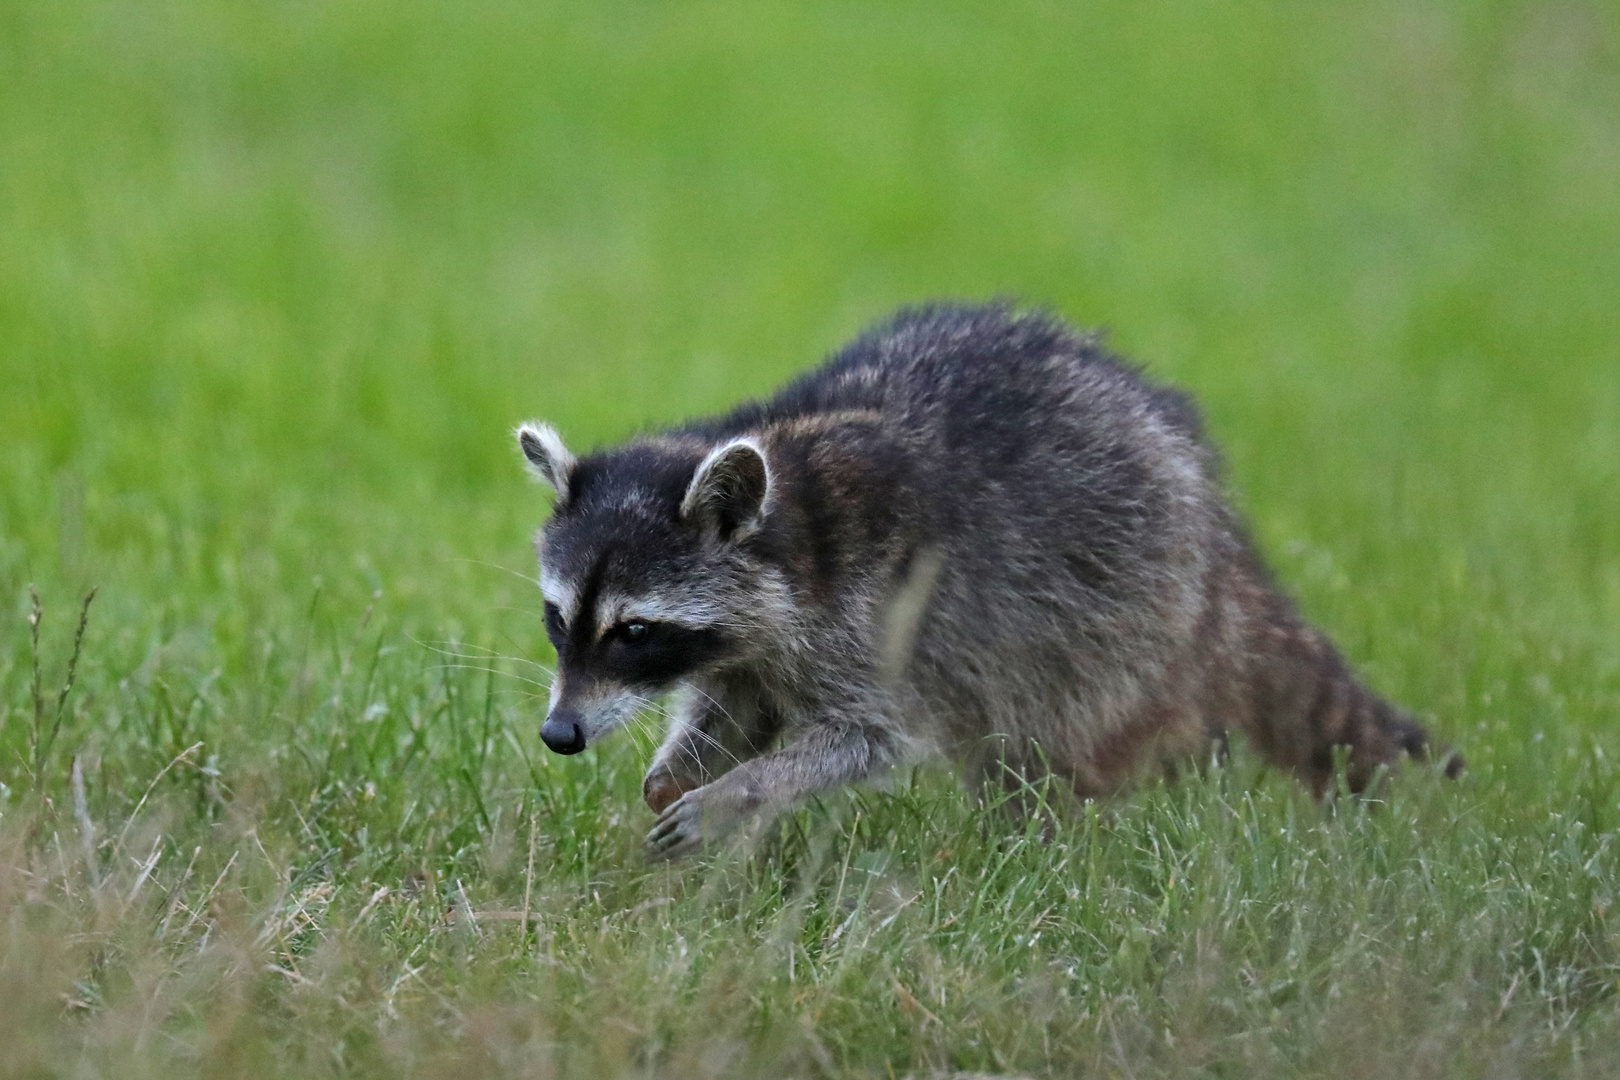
971,533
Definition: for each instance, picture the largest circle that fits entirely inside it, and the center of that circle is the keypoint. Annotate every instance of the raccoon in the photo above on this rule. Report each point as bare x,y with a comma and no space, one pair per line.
972,533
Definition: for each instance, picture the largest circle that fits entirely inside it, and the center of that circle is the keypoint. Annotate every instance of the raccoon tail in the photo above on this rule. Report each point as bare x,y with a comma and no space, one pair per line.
1308,705
1412,738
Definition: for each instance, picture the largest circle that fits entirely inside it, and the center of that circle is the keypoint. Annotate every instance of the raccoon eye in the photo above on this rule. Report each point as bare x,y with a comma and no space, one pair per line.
634,631
556,628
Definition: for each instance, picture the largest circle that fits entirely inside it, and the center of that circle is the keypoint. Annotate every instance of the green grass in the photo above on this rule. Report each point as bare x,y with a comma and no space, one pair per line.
276,280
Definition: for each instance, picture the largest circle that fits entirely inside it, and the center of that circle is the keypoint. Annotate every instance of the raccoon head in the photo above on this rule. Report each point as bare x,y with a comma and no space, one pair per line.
647,570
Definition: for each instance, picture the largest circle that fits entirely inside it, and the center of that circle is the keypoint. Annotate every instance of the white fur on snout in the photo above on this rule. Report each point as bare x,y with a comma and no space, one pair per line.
600,712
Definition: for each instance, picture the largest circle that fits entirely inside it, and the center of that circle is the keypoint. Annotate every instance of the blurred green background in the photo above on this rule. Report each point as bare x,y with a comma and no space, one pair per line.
278,278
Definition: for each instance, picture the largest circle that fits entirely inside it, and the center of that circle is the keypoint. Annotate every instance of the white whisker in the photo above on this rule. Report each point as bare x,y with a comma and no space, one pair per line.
496,566
481,653
490,671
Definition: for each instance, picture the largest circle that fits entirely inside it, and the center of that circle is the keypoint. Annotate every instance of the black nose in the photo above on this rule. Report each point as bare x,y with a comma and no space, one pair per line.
563,733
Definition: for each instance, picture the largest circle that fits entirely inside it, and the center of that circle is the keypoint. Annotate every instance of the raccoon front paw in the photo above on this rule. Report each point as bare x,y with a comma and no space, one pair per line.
707,813
678,832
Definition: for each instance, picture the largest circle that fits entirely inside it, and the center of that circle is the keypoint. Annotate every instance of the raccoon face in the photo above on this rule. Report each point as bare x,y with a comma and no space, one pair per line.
643,569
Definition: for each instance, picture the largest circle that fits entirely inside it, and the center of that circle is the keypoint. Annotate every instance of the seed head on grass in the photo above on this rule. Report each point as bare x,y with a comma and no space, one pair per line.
47,719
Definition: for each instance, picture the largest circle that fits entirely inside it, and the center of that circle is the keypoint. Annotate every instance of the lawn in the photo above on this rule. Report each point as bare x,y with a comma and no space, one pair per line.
277,280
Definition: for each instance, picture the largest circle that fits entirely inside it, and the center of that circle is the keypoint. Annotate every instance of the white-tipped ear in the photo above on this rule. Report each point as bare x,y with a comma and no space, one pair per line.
730,489
549,460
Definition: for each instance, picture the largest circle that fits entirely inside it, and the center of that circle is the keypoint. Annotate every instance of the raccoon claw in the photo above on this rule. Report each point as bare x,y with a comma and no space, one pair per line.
678,832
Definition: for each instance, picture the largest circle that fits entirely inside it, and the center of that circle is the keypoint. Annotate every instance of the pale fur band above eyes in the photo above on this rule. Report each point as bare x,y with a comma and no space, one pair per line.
560,595
692,614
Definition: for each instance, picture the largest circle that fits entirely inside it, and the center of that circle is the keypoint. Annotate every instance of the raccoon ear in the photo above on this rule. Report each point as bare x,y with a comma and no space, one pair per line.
729,489
549,460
